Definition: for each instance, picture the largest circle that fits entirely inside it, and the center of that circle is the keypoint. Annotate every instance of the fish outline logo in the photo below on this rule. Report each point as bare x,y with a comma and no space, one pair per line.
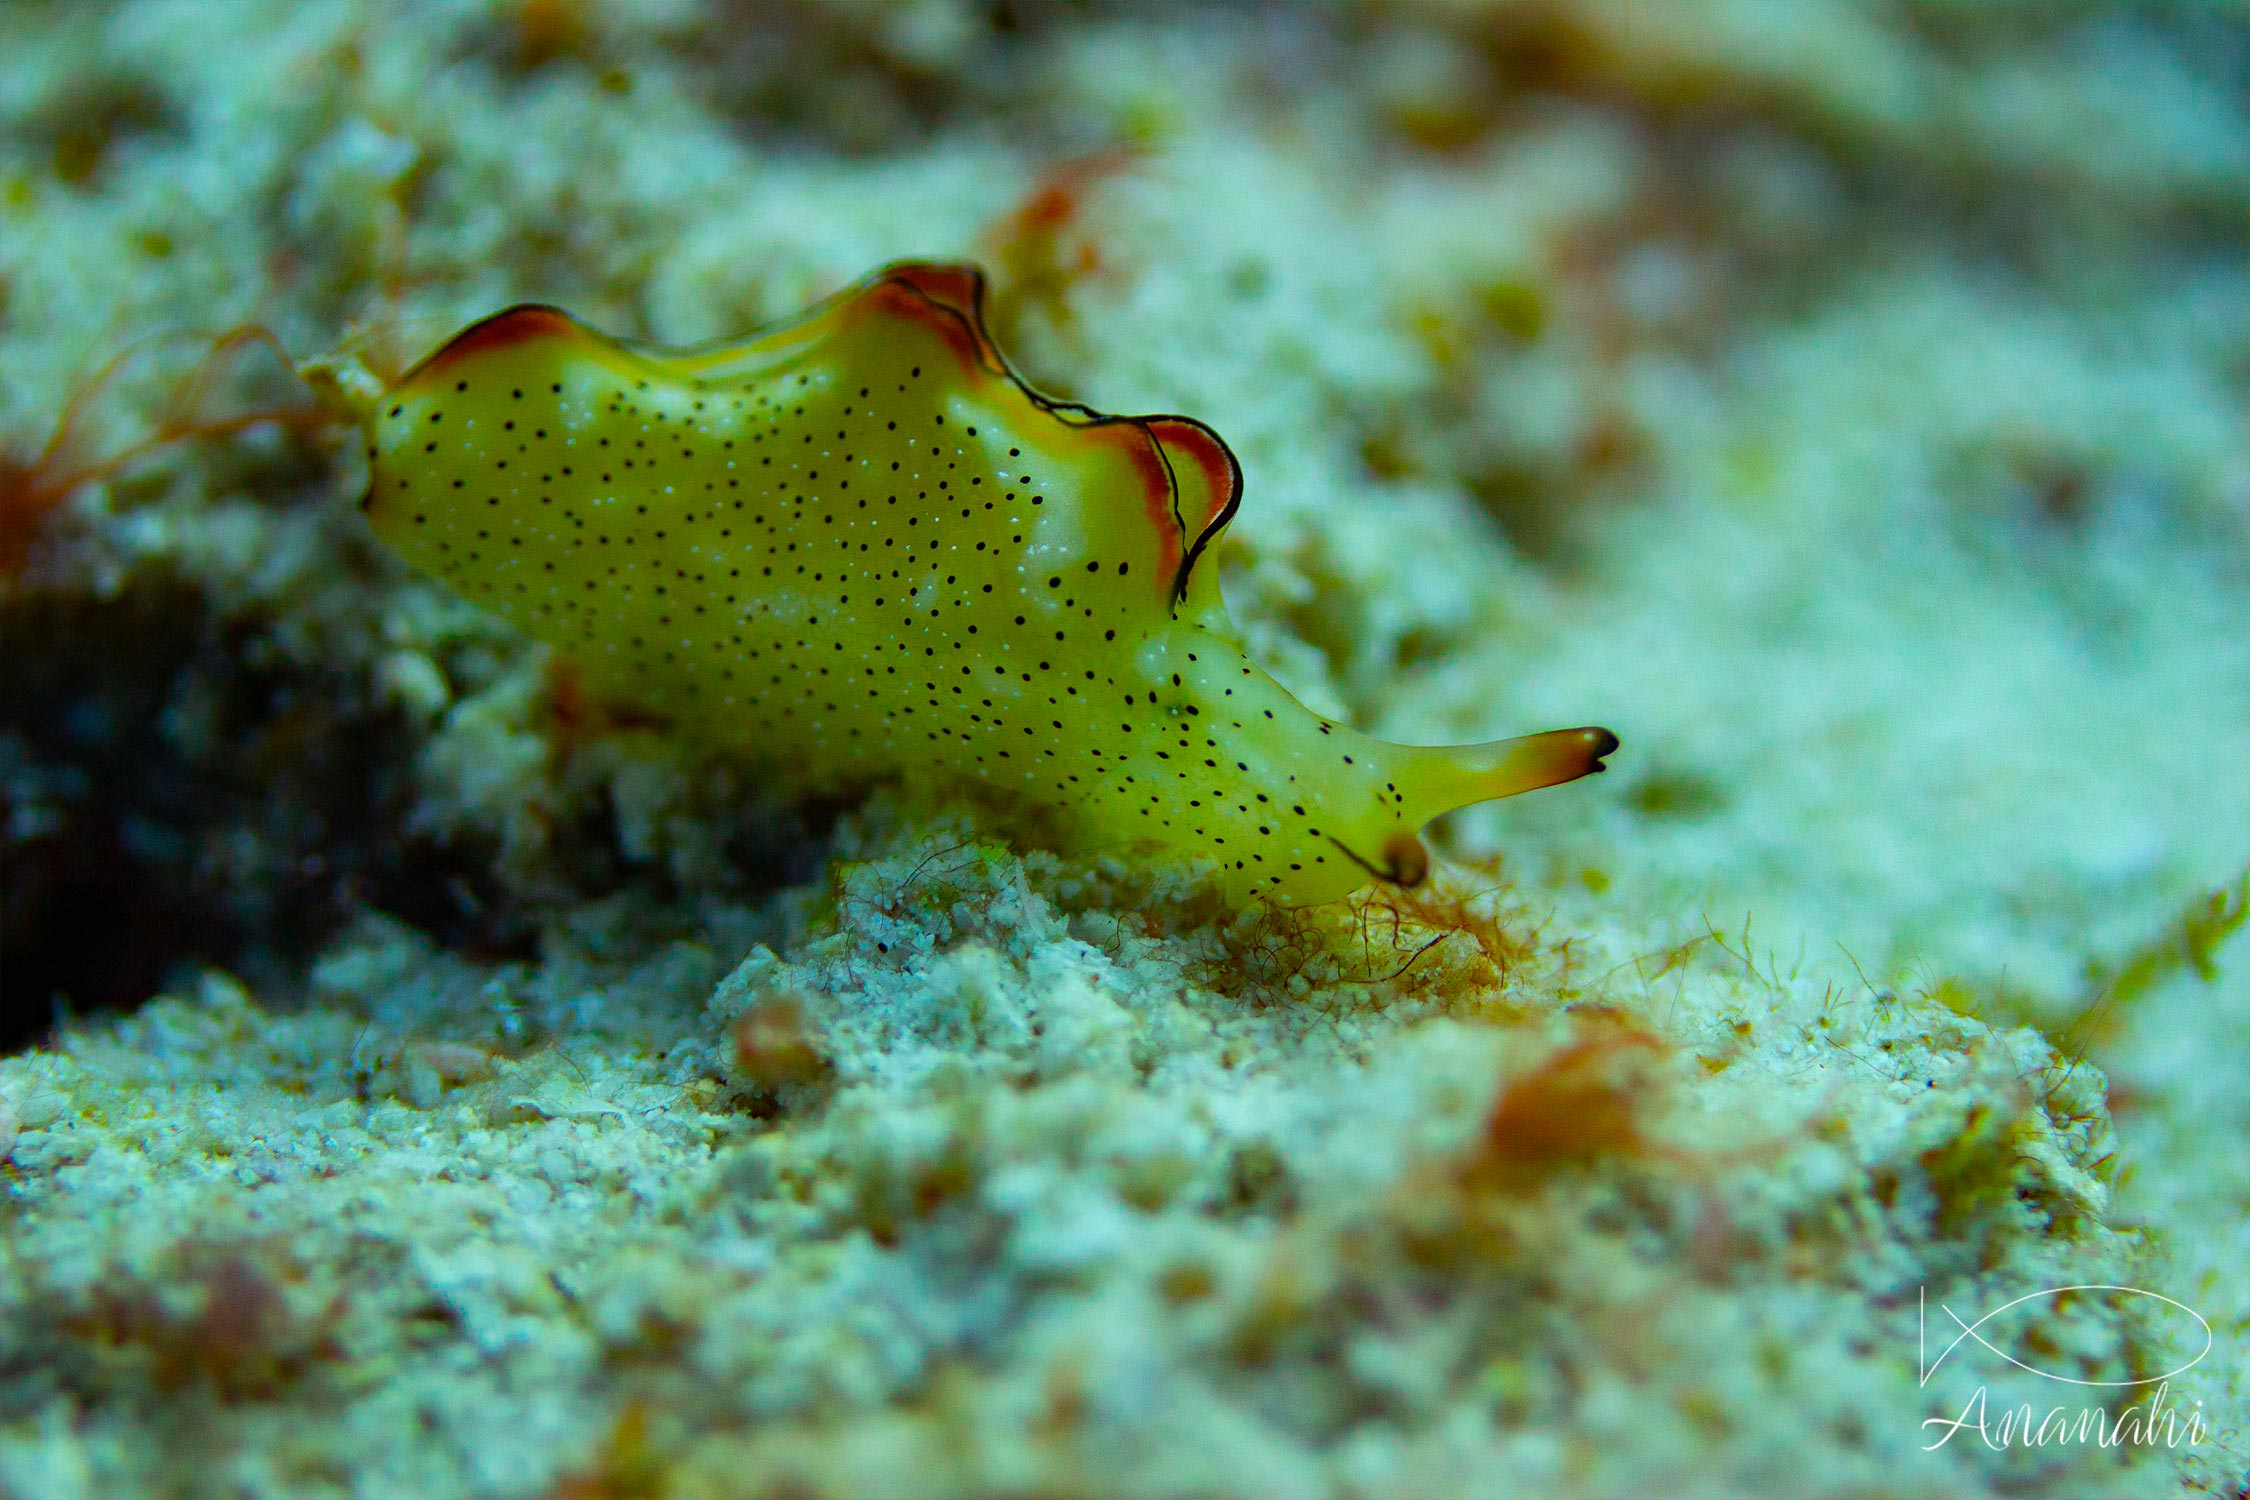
1929,1367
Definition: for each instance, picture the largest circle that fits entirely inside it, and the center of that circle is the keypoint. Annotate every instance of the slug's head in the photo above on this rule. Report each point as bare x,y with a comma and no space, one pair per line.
1353,808
1299,810
1422,782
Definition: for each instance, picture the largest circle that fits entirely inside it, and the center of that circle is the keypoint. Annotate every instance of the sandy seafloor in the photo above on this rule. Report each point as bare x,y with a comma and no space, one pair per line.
1845,402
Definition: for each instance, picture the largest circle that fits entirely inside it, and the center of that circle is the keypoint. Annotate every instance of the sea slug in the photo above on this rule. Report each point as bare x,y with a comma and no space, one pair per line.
857,546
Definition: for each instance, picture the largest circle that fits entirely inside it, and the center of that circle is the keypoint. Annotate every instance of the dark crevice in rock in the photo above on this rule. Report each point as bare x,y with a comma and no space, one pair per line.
176,793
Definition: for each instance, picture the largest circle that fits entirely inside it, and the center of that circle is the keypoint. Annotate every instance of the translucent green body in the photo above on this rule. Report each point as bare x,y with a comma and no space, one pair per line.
857,547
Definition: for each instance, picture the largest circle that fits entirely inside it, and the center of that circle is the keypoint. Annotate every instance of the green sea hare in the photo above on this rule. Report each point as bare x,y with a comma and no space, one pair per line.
857,546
